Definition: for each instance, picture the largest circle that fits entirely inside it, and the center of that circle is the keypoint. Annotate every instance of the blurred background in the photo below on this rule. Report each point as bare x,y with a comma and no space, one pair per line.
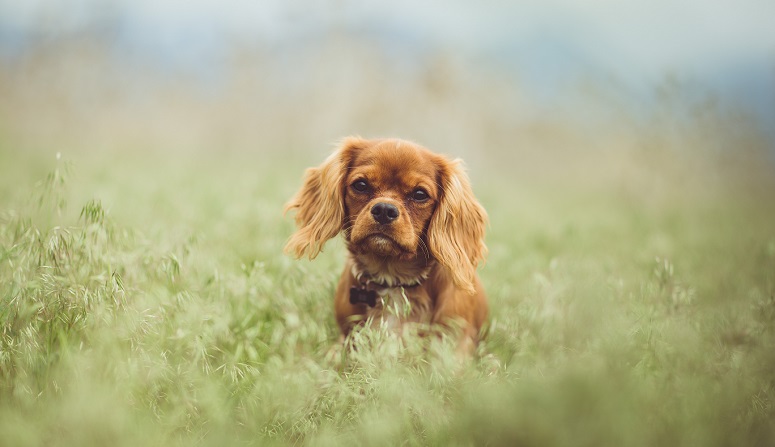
541,88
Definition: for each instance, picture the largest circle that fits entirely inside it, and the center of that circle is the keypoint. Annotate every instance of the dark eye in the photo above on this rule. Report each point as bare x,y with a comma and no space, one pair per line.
360,186
419,195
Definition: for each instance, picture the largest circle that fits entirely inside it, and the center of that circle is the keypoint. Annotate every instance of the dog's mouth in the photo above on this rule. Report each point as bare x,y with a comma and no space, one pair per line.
382,239
382,245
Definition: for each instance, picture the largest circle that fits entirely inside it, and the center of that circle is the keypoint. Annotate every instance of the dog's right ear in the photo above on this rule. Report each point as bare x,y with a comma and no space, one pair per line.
319,204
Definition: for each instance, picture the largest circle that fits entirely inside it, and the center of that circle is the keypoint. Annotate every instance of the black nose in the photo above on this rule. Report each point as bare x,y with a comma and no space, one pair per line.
384,213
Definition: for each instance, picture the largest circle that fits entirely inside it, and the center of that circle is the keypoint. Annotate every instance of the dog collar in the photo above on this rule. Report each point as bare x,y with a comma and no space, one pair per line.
367,292
367,289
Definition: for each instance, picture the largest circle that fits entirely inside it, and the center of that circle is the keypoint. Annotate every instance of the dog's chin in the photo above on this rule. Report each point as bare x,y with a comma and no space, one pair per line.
381,245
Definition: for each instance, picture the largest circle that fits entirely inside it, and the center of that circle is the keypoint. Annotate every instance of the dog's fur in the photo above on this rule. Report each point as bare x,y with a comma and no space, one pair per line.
425,253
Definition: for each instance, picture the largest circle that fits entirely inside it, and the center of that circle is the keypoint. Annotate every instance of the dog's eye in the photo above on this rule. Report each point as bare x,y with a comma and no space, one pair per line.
360,186
419,195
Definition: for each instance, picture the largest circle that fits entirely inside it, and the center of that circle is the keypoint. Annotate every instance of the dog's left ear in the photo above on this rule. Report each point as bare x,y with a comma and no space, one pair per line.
456,230
320,202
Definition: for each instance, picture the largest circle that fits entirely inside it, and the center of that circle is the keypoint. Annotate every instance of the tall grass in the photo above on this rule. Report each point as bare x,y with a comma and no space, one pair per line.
611,323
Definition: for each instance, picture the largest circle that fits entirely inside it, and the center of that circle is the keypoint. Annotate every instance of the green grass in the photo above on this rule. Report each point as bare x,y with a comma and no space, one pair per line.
146,301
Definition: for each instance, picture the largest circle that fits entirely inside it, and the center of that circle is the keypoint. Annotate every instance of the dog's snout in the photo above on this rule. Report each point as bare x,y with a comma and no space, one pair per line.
384,213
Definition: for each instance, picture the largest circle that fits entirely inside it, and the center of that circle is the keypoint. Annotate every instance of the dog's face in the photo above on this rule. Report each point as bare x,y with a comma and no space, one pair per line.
394,200
391,191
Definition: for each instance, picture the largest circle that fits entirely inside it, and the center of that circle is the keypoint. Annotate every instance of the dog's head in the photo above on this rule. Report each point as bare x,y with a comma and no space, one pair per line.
394,200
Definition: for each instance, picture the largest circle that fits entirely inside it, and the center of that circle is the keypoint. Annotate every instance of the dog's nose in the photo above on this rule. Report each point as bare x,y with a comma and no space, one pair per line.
384,213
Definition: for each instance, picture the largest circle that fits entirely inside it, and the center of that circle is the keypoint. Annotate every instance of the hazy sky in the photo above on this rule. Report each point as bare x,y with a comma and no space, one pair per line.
646,35
728,44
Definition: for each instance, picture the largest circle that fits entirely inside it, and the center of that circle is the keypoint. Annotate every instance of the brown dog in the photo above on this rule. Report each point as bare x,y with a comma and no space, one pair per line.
413,229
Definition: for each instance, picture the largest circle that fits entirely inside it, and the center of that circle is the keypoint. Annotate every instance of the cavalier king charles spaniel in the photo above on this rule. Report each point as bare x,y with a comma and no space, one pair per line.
413,229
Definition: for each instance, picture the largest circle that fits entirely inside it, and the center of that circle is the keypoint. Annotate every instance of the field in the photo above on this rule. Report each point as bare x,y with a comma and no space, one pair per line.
146,299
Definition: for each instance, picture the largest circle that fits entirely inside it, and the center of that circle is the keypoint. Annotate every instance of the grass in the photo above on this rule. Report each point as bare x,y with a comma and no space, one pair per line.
148,302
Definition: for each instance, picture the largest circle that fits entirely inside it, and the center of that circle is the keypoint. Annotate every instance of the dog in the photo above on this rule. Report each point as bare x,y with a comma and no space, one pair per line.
414,233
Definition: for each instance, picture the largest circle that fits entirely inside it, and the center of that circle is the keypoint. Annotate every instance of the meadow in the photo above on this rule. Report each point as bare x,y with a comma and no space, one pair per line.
146,299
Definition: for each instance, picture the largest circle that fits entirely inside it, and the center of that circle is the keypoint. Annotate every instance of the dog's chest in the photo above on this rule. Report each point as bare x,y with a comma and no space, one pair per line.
396,306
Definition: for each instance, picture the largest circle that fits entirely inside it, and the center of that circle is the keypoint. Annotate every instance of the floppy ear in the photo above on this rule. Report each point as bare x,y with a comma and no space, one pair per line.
320,202
456,230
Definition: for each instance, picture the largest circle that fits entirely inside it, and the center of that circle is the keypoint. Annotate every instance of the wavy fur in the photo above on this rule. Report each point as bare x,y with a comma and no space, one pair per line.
318,204
456,231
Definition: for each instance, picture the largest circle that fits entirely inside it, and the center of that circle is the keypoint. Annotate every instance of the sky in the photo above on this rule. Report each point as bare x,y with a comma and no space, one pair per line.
655,34
728,45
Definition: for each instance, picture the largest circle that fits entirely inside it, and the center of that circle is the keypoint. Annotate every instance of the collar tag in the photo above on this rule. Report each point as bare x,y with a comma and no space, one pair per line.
363,296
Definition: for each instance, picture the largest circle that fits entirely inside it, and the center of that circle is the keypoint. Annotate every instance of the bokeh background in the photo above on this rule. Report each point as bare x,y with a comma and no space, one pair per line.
507,79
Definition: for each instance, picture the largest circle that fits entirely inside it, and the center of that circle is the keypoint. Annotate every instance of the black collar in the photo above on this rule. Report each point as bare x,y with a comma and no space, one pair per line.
366,291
